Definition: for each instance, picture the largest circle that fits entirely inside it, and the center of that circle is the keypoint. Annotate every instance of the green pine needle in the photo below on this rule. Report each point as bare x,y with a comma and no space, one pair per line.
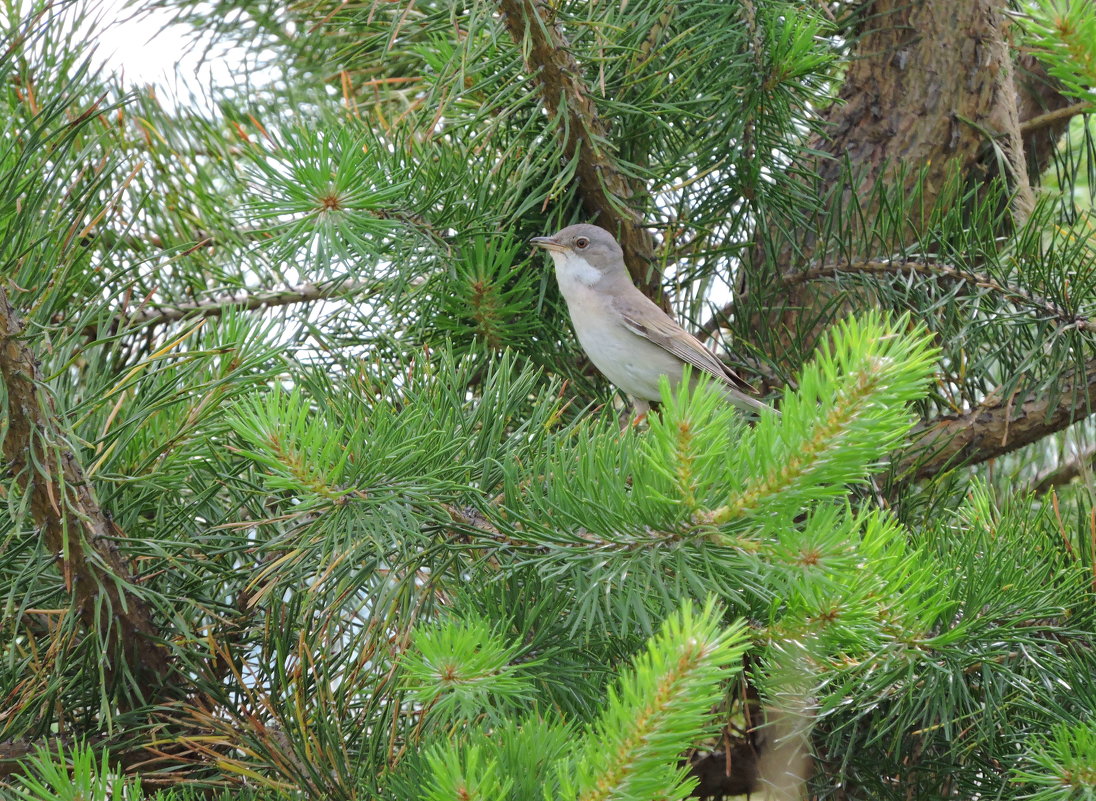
464,774
1061,766
461,668
849,411
657,710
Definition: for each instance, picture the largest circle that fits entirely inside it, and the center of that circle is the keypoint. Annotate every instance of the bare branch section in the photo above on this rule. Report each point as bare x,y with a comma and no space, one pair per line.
249,301
946,272
605,189
68,517
1050,119
999,426
131,758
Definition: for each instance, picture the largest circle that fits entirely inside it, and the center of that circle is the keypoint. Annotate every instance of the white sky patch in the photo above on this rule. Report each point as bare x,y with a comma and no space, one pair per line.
147,49
141,50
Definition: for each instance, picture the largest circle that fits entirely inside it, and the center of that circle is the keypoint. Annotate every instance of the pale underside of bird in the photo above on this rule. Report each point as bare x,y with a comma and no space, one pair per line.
626,335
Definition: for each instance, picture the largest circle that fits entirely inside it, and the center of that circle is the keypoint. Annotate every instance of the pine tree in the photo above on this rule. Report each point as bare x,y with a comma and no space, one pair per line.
311,492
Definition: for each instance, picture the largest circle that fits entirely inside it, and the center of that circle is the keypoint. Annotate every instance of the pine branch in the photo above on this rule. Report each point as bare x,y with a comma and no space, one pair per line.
831,428
657,709
75,529
998,426
848,412
936,270
948,273
757,54
249,301
468,518
604,187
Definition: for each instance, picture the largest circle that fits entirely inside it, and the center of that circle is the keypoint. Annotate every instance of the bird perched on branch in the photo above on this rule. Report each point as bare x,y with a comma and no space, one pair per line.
627,337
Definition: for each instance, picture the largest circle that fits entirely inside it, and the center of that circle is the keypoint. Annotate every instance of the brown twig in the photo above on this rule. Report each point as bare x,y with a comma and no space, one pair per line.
605,189
153,315
155,764
470,517
1052,117
948,273
76,531
1045,112
757,54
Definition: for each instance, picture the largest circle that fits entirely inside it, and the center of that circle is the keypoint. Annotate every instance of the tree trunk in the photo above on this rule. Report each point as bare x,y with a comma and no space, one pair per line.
929,81
929,88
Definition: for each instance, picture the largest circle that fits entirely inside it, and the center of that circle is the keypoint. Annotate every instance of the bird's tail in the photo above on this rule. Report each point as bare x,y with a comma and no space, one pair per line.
747,403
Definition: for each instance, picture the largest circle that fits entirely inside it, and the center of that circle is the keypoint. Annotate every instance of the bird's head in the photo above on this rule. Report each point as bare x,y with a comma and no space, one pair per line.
584,253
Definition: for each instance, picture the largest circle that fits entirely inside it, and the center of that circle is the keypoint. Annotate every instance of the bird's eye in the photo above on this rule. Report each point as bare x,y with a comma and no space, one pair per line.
582,243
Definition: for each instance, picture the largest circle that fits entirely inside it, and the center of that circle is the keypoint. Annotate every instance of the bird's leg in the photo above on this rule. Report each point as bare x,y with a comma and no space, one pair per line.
641,407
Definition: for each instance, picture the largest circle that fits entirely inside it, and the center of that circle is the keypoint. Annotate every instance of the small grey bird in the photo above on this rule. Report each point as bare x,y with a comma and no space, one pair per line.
627,337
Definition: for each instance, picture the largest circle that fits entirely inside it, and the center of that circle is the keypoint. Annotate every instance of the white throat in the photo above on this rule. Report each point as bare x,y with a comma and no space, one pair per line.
573,272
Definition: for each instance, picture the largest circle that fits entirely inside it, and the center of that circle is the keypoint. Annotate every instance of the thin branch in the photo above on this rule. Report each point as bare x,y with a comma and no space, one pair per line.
605,189
946,272
470,517
1058,115
14,750
757,54
249,301
1045,112
999,426
1081,464
77,533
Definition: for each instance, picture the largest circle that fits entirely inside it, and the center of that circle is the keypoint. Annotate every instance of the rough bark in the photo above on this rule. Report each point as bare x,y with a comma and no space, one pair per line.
605,190
929,81
1000,425
68,518
930,87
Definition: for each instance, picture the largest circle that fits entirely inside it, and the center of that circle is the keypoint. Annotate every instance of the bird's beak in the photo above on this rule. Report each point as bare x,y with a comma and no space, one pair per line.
547,243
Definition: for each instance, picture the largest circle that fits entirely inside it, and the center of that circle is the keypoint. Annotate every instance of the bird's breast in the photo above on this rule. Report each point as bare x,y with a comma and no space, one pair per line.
629,361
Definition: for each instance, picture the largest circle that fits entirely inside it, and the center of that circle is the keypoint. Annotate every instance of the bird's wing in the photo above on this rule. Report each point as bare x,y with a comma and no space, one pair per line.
642,317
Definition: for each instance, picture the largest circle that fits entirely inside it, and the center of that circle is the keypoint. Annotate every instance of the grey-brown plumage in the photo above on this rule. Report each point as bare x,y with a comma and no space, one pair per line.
627,337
